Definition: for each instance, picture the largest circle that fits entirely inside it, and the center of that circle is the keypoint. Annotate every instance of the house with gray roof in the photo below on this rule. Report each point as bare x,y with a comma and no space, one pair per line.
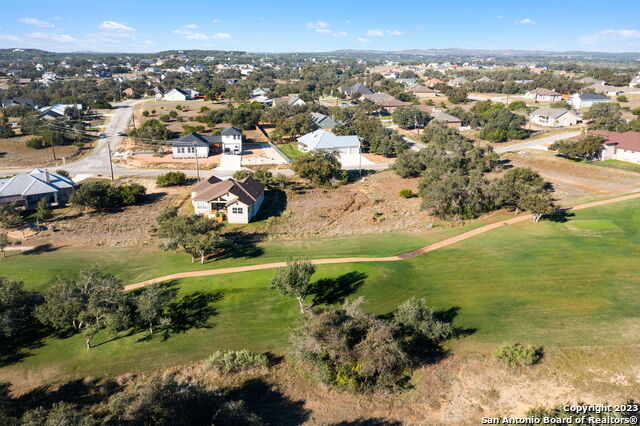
357,89
27,189
321,139
197,145
180,95
292,100
7,103
554,117
587,100
237,200
323,121
438,116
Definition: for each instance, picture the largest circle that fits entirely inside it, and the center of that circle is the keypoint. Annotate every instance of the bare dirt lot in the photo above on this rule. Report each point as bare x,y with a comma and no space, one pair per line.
573,181
129,226
15,154
370,205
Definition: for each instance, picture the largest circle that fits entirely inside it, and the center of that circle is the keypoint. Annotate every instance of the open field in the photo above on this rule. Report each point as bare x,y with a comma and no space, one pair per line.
290,150
617,164
556,284
15,154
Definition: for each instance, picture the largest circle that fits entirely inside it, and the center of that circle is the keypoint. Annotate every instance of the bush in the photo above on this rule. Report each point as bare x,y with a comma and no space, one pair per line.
516,354
62,172
131,194
234,361
171,179
165,117
407,193
35,143
622,98
145,113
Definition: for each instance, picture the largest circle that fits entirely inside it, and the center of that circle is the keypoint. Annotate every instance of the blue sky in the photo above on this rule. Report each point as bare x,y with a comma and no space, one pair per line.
286,26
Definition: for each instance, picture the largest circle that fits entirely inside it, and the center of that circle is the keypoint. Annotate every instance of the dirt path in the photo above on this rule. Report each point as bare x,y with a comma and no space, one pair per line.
402,256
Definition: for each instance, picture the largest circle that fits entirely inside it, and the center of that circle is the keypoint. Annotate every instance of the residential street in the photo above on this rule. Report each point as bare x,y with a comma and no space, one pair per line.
541,143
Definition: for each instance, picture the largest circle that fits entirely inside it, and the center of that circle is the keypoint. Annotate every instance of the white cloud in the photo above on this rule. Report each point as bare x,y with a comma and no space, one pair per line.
220,36
525,21
341,34
58,38
374,33
348,21
36,22
394,32
215,21
8,37
146,42
116,26
191,26
363,39
318,25
323,30
500,17
611,35
196,36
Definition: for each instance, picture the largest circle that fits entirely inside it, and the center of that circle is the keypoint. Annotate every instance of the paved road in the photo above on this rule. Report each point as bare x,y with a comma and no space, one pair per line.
403,256
540,143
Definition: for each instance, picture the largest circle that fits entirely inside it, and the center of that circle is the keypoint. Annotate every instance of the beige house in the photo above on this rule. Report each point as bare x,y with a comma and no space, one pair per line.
238,200
619,146
554,117
438,116
422,92
543,95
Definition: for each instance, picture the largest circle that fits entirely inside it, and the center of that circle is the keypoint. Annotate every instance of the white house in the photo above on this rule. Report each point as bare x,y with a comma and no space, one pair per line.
180,95
259,91
587,100
196,145
635,81
27,189
554,117
620,146
231,140
321,139
543,95
458,82
238,200
56,111
287,100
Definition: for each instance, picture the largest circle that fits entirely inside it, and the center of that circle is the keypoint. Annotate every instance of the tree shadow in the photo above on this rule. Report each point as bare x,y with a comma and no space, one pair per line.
42,248
242,244
560,216
449,315
275,203
19,347
151,198
82,392
376,421
192,311
273,406
330,291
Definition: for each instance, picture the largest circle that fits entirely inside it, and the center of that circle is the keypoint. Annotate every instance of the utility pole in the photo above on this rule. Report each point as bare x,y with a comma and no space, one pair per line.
195,152
110,162
53,148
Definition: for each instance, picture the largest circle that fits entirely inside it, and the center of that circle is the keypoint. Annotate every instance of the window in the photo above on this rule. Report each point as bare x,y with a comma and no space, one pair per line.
236,210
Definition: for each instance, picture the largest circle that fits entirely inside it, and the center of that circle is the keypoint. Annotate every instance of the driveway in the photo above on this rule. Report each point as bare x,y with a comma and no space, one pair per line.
540,143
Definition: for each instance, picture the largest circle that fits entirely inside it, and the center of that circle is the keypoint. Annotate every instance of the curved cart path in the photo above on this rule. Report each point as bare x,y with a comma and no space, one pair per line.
407,255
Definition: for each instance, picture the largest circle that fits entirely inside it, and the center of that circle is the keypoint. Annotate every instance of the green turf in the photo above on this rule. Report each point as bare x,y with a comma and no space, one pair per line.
617,164
550,284
290,150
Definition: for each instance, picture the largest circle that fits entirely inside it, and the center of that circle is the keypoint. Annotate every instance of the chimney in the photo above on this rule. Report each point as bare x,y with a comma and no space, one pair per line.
46,176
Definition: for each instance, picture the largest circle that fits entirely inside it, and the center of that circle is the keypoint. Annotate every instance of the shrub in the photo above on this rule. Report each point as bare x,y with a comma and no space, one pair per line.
62,172
173,114
131,194
35,143
516,354
165,117
233,361
171,179
407,193
145,113
622,98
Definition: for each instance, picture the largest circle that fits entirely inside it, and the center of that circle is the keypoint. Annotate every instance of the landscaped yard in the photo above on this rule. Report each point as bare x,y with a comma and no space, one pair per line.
290,150
617,164
570,283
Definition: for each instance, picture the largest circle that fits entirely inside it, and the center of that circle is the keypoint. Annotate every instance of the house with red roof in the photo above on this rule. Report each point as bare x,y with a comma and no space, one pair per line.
623,146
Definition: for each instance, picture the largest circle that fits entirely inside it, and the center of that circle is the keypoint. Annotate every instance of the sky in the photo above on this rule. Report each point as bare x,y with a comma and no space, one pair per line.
306,26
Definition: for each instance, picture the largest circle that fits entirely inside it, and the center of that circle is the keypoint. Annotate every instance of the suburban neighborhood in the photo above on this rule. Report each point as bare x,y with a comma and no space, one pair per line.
319,214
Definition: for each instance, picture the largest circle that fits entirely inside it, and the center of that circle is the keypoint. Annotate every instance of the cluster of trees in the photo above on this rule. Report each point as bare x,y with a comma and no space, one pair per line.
171,179
453,183
152,130
586,147
320,167
410,118
294,126
103,195
375,138
354,350
497,121
608,116
196,235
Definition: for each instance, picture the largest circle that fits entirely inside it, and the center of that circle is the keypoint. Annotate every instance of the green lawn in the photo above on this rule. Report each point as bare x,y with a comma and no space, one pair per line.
617,164
290,150
551,283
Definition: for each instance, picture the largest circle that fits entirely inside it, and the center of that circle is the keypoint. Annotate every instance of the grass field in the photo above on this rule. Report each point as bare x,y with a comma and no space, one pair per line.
290,150
617,164
556,284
